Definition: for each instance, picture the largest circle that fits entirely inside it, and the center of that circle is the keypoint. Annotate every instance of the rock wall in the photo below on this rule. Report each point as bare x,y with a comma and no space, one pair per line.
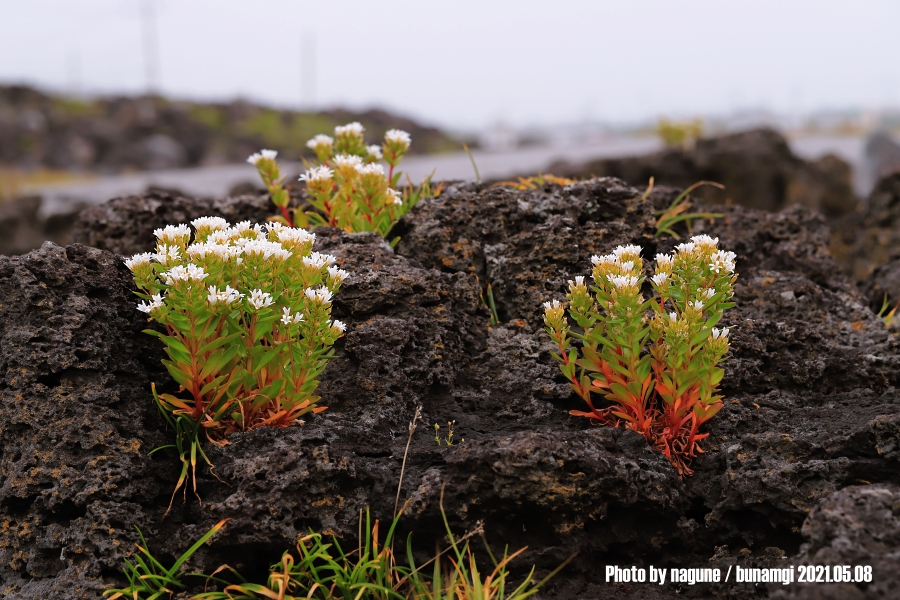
811,411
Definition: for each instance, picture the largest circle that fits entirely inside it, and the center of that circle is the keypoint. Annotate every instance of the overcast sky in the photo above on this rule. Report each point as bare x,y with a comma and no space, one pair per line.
468,63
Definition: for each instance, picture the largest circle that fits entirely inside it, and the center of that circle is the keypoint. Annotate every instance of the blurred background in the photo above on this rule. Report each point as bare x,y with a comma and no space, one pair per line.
784,103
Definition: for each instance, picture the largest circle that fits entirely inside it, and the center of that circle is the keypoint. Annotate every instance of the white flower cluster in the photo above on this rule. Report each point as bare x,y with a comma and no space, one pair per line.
173,234
211,223
254,158
317,174
623,281
260,299
265,249
398,137
336,274
206,249
723,260
319,140
180,273
318,260
339,326
138,260
228,296
288,319
553,305
348,160
397,197
374,151
371,169
354,128
719,333
156,302
320,295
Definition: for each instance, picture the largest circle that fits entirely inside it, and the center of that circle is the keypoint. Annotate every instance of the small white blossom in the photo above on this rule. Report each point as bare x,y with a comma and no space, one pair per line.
254,158
319,295
623,250
579,281
293,235
705,240
156,302
317,174
260,299
552,305
627,265
723,260
348,160
319,140
717,333
339,325
708,293
685,248
227,296
265,249
663,261
660,278
622,281
396,136
396,197
172,233
353,128
139,259
211,223
179,273
371,169
375,151
288,319
317,260
673,316
166,255
207,249
337,274
698,305
606,258
220,237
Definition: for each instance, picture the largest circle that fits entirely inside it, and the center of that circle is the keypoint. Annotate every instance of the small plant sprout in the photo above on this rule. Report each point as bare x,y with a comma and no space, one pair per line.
448,440
248,329
669,391
349,188
265,164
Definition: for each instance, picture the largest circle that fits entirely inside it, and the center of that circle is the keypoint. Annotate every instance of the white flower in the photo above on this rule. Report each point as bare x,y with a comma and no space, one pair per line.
139,259
353,128
227,296
220,237
396,136
371,169
339,325
627,265
318,261
317,174
620,251
660,278
606,258
319,295
374,150
348,160
663,261
179,273
260,299
337,274
319,140
621,281
212,223
207,249
579,281
167,254
288,319
293,235
254,158
265,249
397,198
157,302
705,240
552,305
685,248
673,316
698,305
709,293
723,260
717,333
173,233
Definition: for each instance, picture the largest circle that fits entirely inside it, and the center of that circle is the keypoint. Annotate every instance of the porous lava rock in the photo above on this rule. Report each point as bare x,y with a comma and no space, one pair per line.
811,406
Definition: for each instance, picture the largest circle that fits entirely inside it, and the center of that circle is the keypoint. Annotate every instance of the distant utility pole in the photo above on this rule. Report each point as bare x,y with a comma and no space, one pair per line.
308,71
151,46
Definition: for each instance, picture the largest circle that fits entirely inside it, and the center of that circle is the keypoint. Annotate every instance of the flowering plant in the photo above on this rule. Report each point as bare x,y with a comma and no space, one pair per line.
349,189
247,317
667,393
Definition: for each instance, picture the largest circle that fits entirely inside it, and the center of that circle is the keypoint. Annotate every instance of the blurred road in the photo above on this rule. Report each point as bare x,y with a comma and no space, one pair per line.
217,181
